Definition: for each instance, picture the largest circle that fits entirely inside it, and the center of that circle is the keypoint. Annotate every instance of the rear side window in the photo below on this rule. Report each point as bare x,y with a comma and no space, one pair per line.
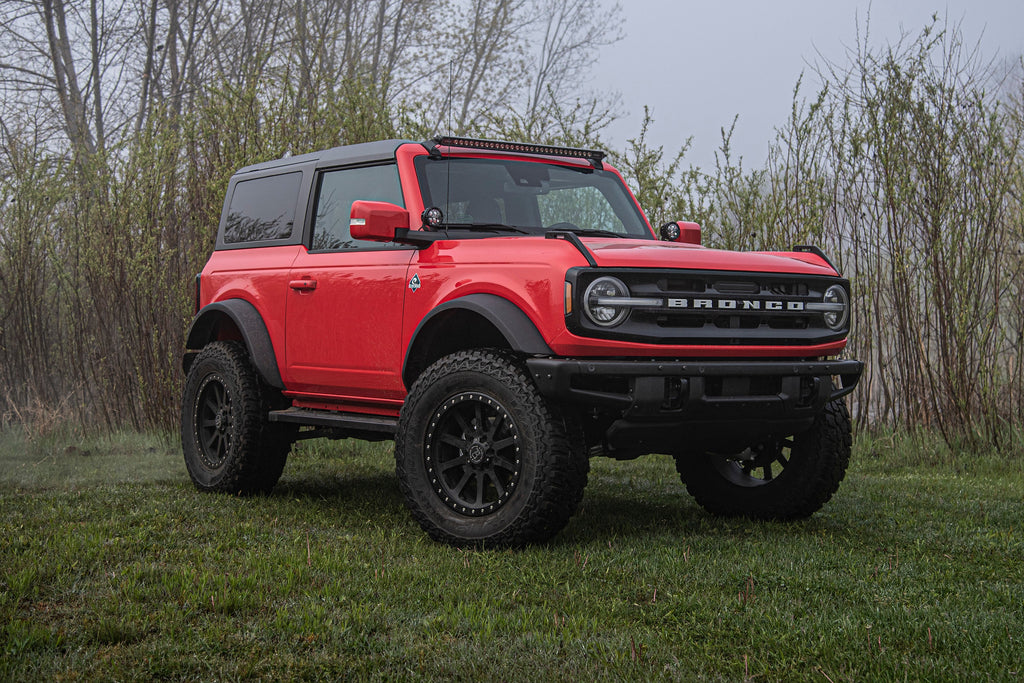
336,192
263,209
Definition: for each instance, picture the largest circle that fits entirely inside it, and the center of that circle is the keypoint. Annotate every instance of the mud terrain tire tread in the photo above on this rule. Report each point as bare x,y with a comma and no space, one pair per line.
818,462
554,469
258,449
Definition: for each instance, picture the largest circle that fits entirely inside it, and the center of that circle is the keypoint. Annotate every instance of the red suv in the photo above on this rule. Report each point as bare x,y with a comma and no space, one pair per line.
504,312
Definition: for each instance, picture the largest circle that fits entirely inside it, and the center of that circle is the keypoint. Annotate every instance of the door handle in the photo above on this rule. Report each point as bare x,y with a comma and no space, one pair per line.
306,285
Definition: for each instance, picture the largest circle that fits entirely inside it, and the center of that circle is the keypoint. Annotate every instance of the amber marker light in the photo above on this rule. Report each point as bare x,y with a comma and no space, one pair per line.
568,298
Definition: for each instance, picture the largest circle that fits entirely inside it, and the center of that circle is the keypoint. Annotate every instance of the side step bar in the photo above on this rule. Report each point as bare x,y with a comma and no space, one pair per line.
349,422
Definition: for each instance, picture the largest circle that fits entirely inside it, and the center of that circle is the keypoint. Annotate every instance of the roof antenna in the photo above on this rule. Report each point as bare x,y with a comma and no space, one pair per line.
451,89
448,160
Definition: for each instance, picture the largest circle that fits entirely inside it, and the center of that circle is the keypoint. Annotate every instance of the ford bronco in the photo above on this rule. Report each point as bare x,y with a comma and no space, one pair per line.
504,312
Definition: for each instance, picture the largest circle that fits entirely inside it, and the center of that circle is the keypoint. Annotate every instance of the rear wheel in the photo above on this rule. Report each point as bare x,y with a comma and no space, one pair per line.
229,445
480,456
787,478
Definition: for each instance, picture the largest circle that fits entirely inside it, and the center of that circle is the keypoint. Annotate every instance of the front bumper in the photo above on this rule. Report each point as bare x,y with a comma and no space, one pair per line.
683,399
688,389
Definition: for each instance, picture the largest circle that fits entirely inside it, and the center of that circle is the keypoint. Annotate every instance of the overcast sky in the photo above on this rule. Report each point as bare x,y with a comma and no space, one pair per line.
698,63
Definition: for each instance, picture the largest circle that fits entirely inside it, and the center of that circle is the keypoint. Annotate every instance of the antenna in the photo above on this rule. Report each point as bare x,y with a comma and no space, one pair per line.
448,159
451,91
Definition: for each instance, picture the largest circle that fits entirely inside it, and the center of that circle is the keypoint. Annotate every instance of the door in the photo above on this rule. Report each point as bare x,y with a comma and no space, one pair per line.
345,299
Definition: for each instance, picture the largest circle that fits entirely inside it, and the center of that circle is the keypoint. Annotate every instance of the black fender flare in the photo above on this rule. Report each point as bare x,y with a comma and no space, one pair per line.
250,325
507,318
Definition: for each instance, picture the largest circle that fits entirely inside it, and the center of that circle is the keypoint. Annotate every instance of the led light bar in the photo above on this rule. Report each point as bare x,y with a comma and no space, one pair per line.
594,156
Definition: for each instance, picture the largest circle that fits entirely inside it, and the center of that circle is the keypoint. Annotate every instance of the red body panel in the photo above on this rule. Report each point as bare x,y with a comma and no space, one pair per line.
346,333
622,253
259,276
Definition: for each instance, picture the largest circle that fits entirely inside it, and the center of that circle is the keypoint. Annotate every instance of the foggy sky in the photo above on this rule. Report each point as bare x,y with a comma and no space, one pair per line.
697,64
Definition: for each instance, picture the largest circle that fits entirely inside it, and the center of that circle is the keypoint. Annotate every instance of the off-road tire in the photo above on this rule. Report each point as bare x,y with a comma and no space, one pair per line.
813,463
229,445
482,459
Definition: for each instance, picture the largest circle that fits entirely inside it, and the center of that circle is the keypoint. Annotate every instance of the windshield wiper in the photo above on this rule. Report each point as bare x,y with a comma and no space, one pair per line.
493,227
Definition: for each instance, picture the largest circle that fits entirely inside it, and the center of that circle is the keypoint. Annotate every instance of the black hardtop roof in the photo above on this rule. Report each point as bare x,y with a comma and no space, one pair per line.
364,152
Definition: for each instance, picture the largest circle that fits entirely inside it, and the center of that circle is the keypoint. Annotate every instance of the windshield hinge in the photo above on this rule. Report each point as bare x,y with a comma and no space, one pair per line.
812,249
573,239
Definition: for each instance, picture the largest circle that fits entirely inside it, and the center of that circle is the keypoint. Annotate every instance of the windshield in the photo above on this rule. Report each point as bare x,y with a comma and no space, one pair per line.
528,196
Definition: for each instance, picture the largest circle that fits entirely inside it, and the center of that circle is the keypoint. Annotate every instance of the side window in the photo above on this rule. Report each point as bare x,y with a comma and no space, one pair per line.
263,209
335,194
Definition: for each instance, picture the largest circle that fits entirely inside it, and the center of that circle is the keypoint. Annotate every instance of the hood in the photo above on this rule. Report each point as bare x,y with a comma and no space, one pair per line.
624,253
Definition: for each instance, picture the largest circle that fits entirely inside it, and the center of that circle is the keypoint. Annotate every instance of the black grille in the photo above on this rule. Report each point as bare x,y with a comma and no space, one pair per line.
715,308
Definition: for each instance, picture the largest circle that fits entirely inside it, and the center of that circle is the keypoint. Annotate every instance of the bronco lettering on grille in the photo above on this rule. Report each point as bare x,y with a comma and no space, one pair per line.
735,304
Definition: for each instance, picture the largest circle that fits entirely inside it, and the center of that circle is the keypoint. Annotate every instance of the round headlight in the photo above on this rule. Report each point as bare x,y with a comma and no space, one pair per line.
838,303
599,301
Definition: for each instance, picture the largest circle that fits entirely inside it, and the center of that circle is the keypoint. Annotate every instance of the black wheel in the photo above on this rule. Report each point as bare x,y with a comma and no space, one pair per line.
780,479
228,444
480,456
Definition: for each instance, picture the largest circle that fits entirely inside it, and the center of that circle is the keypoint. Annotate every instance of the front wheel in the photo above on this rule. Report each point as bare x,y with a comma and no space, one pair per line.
788,478
480,456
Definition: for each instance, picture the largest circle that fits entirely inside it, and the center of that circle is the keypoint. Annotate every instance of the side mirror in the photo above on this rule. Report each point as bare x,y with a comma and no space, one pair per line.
681,231
377,221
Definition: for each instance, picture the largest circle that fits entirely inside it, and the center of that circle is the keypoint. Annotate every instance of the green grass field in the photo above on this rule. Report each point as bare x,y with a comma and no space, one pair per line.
113,567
